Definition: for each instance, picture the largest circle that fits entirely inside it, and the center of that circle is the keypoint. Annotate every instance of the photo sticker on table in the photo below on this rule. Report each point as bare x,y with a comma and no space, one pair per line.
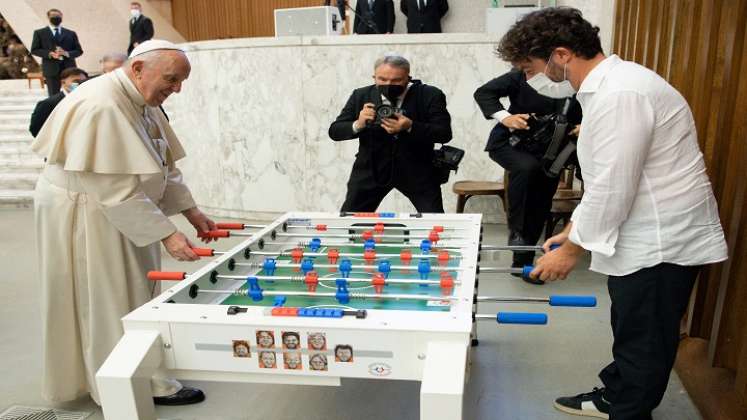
267,360
318,362
291,340
344,353
317,341
241,348
292,361
265,339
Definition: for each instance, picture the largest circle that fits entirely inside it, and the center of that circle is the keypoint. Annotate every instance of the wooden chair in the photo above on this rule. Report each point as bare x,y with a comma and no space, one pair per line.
564,202
467,189
35,76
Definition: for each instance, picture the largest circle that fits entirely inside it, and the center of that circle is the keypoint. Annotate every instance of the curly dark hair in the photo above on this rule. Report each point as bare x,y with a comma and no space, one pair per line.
538,33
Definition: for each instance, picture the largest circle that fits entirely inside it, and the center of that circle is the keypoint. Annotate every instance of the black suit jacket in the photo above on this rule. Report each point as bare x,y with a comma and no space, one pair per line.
42,111
524,100
404,159
43,43
424,21
140,31
382,17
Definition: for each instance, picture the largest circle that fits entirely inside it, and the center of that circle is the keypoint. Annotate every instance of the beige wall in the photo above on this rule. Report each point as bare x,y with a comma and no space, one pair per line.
101,25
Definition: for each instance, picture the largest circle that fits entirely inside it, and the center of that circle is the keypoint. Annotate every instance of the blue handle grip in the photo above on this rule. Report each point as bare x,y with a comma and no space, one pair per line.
553,247
521,318
526,271
586,301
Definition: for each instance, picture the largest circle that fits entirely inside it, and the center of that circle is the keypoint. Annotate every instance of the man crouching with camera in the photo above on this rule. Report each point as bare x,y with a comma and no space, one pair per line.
398,120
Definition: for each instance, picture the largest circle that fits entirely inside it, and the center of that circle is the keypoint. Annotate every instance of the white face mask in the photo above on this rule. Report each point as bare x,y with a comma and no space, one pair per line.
546,87
135,13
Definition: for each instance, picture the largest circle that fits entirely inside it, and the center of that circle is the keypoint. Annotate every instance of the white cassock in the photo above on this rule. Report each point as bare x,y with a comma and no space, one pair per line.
101,207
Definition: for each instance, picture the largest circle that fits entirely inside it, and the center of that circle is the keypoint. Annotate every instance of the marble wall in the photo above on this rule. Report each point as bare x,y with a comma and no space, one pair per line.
254,115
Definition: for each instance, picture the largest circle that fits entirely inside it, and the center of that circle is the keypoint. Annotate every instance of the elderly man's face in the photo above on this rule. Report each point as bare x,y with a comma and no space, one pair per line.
387,74
158,79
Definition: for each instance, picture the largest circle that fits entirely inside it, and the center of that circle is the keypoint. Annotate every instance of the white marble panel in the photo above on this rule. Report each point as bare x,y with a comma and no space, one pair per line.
253,117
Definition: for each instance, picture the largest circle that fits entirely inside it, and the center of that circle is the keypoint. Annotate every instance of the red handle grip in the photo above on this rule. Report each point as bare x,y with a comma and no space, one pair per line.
166,275
231,226
204,252
214,234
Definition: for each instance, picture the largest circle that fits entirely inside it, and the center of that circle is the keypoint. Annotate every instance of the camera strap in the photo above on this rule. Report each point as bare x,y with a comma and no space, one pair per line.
560,133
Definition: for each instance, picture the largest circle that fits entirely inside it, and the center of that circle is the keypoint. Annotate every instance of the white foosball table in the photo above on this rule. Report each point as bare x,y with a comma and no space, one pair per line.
315,297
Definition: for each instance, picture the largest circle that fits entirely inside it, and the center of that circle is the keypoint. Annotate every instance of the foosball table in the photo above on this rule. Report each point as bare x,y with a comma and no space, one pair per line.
315,297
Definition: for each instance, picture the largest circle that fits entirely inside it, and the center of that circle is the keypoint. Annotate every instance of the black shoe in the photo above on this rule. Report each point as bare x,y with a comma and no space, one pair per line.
590,404
184,396
515,239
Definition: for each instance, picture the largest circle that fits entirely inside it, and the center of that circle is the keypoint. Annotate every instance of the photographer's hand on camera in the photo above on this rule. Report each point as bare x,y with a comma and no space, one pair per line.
366,116
396,124
516,122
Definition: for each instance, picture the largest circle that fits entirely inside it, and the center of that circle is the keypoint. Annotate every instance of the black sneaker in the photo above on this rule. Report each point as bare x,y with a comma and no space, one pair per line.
590,404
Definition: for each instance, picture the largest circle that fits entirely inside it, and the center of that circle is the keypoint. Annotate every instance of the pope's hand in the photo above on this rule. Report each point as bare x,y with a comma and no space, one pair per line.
201,222
179,247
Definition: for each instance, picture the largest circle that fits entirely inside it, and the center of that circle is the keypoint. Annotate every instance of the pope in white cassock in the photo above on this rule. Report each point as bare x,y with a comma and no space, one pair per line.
101,206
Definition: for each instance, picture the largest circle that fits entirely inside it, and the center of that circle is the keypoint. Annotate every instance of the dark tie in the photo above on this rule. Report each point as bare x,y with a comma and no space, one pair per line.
421,4
56,33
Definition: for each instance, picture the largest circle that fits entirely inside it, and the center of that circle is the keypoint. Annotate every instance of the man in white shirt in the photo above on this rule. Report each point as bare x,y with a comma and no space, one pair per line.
648,215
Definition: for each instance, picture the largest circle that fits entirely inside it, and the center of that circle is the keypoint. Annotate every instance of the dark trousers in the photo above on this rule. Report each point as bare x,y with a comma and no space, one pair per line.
530,191
647,307
365,195
53,84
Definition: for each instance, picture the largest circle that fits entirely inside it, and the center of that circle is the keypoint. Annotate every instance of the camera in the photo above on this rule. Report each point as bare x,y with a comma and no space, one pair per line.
536,139
445,160
385,111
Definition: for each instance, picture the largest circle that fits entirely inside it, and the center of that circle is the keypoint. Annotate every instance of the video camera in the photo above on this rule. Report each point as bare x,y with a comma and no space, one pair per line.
548,137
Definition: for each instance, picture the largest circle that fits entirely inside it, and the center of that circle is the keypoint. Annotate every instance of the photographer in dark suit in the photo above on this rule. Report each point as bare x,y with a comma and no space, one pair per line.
71,78
58,48
374,17
141,27
530,190
394,152
424,16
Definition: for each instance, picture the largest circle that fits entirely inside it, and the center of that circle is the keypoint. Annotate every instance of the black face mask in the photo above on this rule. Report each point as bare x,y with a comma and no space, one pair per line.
55,20
391,92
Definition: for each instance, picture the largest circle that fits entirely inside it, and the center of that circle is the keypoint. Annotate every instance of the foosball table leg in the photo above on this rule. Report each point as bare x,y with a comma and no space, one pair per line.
442,388
124,380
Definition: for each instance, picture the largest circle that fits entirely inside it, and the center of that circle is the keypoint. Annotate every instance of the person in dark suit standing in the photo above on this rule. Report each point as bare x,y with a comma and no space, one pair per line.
141,27
424,16
530,190
58,48
374,17
71,78
397,152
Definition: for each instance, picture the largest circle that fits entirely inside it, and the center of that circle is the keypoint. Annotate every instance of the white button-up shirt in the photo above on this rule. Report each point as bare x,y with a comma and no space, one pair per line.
647,199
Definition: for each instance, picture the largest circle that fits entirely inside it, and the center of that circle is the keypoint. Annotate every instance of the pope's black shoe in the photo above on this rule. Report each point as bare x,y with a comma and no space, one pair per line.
184,396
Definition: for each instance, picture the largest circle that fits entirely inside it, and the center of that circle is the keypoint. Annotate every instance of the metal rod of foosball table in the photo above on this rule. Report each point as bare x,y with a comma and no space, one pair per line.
362,236
352,266
516,247
302,279
323,227
554,300
286,253
335,295
443,246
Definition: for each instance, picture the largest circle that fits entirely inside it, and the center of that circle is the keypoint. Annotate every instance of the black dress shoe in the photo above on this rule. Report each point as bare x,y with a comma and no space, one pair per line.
184,396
